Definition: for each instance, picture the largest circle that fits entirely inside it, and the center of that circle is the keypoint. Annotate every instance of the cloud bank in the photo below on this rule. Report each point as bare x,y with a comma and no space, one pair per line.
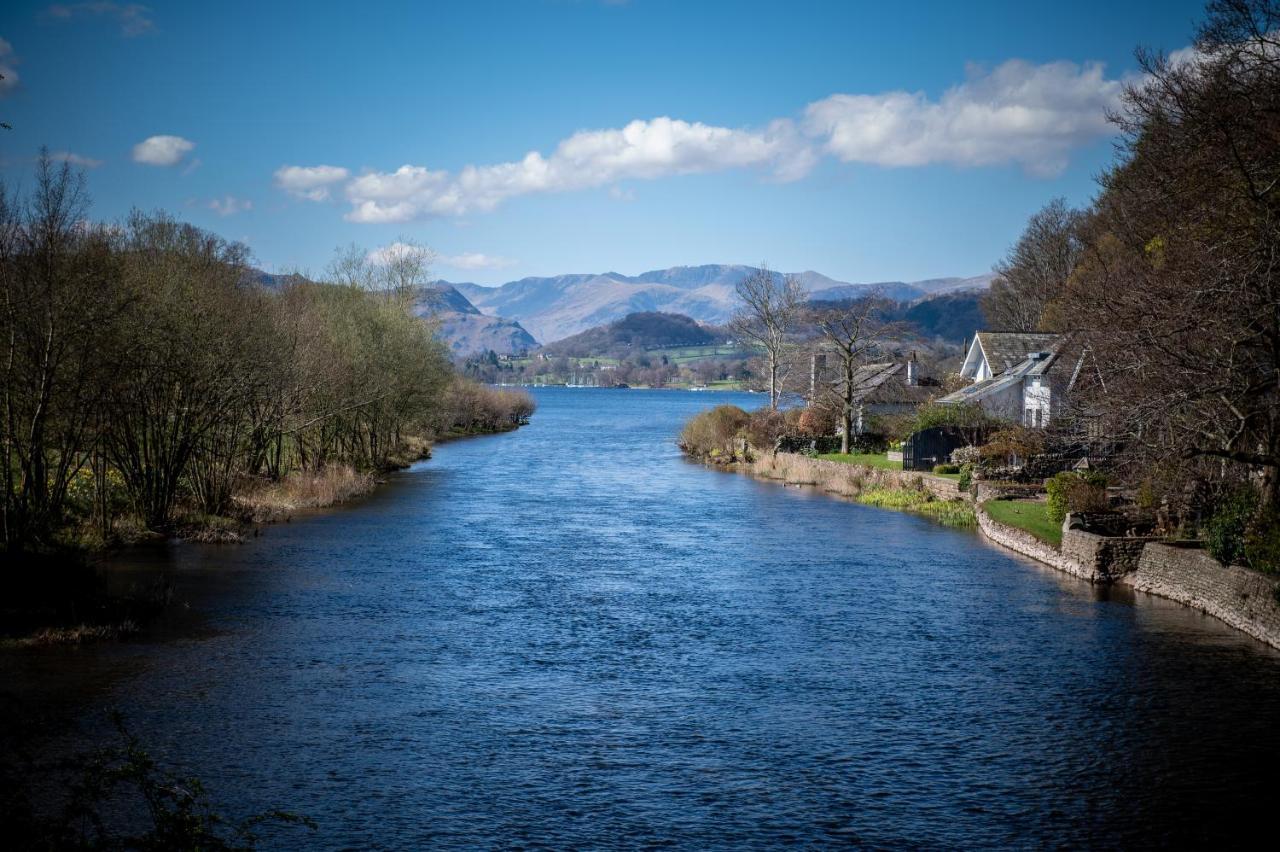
309,182
1019,113
162,150
475,260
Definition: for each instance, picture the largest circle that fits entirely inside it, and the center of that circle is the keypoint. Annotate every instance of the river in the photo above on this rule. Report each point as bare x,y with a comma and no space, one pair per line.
569,636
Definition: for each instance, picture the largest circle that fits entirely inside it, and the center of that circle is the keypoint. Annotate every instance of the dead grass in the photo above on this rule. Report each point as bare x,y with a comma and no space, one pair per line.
80,634
318,489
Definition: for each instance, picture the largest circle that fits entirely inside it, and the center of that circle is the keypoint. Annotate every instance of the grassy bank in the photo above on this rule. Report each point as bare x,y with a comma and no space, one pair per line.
1027,515
879,460
852,481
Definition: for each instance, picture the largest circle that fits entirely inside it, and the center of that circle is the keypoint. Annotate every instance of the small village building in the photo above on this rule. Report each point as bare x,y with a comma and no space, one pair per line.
1020,377
885,390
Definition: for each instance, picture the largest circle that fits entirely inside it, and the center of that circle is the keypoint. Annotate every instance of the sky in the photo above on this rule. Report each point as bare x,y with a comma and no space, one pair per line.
866,141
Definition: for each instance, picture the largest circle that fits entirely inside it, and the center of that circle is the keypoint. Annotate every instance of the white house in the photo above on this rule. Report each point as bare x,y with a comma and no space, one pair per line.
1022,377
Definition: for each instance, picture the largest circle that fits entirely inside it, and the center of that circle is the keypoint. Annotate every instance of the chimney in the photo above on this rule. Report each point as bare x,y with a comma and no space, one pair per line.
912,378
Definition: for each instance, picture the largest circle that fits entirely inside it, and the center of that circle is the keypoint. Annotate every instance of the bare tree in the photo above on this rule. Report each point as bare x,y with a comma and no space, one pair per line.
772,305
852,332
1035,271
1178,295
406,267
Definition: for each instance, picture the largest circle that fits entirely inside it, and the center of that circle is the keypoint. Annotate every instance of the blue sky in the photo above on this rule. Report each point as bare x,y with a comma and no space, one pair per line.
861,140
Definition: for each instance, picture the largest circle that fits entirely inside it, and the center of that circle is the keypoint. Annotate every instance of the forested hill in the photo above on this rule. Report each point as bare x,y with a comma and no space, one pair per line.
637,332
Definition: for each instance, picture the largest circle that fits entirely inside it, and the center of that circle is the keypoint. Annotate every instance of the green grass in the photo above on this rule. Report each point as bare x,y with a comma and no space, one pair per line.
1029,515
952,513
879,460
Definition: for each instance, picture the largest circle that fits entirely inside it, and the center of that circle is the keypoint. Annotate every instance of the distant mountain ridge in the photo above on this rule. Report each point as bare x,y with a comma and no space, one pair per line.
465,329
555,308
635,333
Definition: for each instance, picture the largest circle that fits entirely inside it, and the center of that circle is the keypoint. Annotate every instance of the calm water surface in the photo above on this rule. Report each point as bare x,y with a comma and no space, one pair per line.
569,637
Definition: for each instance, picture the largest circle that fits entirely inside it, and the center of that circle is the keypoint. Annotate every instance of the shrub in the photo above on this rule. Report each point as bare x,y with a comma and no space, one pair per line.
1072,491
1225,532
1013,441
946,468
816,421
1262,541
966,477
965,455
713,430
765,426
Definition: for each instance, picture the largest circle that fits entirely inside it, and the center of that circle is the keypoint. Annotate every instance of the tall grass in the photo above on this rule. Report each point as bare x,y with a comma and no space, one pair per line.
312,489
856,483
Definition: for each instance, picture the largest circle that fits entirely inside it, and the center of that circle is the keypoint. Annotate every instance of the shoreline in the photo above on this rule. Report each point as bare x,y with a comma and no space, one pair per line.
1243,599
83,574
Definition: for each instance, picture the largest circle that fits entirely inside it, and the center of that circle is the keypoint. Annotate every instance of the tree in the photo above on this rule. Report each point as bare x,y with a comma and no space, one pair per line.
852,332
771,307
1177,296
1034,272
60,308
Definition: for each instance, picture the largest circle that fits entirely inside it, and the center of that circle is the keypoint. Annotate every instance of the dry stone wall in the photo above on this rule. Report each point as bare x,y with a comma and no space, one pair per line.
1243,598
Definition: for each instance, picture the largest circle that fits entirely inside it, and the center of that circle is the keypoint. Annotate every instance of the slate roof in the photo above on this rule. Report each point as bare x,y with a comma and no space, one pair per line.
1006,350
886,383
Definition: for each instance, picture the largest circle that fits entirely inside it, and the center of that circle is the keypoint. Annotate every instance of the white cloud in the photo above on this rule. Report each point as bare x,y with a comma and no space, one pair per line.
617,193
386,254
8,59
1031,115
590,158
229,205
309,182
75,159
476,260
132,17
1018,113
162,150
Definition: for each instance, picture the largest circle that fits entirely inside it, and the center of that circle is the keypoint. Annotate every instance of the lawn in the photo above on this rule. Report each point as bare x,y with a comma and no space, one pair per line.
1029,515
879,460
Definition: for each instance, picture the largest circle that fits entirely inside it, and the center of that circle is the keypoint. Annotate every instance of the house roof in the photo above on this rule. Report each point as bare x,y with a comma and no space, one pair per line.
1005,350
986,387
1040,361
885,383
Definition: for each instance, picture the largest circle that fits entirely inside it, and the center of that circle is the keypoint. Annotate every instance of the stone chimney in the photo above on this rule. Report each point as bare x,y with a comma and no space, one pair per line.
913,376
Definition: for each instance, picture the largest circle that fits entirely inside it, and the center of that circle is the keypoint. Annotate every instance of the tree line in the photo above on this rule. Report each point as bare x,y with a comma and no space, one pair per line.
148,372
1170,280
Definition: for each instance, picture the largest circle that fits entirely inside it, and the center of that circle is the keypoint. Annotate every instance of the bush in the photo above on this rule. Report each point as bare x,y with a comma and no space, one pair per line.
1072,491
1262,541
966,477
1225,532
965,455
766,425
1014,441
946,468
713,430
816,421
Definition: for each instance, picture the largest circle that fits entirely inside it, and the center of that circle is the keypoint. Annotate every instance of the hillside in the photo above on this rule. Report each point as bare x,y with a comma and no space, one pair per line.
557,307
636,333
465,330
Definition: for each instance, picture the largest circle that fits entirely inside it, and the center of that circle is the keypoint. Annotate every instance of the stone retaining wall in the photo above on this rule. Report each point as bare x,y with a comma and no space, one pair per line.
1243,598
1107,557
939,486
1021,541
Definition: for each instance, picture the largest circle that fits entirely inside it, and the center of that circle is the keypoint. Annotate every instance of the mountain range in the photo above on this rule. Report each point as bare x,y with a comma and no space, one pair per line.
557,307
465,329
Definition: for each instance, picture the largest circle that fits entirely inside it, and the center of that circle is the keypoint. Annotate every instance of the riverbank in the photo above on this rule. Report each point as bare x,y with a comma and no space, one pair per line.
61,597
1247,600
933,496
